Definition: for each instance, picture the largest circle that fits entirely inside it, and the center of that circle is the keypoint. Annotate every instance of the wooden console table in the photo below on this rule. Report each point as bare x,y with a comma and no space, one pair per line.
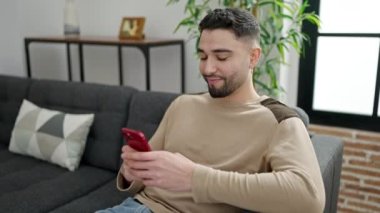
143,45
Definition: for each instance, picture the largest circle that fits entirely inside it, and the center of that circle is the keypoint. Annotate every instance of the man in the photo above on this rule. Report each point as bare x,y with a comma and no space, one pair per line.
228,149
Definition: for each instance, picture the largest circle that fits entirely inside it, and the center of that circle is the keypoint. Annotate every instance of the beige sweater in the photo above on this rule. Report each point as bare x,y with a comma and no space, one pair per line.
257,156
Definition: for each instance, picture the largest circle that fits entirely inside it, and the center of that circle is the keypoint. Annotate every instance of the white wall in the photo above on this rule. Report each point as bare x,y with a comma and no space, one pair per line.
289,78
21,18
11,49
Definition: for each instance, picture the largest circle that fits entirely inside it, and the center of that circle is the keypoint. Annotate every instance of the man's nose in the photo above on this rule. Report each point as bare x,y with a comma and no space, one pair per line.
209,67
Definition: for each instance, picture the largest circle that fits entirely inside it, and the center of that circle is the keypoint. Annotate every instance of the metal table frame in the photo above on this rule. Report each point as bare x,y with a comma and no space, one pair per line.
143,45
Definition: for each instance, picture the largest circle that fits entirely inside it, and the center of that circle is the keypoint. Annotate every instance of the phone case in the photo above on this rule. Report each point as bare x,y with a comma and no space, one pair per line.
136,139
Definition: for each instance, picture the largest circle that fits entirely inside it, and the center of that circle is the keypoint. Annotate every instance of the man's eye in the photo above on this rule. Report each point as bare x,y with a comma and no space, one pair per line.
203,58
222,58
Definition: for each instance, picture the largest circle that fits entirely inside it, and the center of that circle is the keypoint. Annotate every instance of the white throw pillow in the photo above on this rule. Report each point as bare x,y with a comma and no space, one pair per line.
50,135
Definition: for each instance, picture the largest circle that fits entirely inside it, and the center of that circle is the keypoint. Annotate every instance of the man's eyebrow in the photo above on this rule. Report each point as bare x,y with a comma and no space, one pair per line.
199,50
222,51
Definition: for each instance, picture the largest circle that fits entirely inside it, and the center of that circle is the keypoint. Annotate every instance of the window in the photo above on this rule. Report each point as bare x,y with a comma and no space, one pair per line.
339,78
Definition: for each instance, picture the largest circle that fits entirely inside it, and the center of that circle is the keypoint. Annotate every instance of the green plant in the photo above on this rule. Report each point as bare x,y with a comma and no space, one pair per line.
280,24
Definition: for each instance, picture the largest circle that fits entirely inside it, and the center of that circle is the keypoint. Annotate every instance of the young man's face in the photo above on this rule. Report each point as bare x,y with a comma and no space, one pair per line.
225,61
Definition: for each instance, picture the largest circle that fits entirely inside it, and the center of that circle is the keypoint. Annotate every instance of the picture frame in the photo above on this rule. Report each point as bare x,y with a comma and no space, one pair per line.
132,28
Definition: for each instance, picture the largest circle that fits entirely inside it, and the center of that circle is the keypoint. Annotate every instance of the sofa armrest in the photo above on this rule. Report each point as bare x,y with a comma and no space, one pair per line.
329,151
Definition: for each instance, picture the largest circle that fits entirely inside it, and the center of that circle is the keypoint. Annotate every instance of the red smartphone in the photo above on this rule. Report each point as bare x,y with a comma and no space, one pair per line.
136,139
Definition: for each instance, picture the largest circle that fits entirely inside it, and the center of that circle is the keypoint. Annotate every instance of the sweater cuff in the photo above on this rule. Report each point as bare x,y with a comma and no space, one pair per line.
200,184
131,187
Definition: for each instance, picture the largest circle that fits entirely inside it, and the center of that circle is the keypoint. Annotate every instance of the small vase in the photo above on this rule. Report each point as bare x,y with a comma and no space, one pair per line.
71,23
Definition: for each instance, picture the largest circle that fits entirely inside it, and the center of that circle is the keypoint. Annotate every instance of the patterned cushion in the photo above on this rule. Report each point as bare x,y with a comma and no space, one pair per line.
50,135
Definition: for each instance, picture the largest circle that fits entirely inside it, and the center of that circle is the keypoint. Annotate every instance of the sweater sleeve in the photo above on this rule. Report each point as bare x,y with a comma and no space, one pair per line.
293,185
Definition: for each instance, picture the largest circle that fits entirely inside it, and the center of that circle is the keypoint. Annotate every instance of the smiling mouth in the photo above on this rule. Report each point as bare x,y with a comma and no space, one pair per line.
212,80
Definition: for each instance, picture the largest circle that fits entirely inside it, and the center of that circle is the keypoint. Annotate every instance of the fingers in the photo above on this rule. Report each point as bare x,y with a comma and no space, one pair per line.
126,151
144,174
137,161
125,171
142,156
127,148
149,178
132,174
134,163
143,166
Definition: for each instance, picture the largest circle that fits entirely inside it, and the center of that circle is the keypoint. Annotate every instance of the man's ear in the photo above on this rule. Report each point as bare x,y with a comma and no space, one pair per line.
255,54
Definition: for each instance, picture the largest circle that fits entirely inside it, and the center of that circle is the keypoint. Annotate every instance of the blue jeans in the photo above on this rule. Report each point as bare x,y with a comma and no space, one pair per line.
129,205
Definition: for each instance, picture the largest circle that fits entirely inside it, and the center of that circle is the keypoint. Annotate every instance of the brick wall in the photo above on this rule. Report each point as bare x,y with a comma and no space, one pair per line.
360,178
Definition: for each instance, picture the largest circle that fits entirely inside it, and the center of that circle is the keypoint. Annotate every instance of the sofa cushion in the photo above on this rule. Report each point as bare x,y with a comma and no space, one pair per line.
108,103
31,185
12,91
50,135
104,197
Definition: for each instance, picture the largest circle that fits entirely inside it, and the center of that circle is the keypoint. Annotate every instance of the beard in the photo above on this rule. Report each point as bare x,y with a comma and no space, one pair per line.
229,86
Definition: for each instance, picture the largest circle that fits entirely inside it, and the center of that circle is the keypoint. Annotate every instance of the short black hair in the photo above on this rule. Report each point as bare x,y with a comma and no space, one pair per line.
241,22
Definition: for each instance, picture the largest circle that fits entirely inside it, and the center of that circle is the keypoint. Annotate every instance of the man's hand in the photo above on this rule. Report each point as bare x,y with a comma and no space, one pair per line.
160,169
125,170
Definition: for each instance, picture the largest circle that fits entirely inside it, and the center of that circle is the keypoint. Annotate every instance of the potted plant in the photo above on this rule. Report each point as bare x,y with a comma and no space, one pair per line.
280,23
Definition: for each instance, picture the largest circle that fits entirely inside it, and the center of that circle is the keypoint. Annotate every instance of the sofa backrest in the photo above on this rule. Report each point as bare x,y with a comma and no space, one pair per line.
147,109
114,107
109,103
12,91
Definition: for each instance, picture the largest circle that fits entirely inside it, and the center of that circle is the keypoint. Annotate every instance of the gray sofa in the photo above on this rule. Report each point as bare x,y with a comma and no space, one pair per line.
31,185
